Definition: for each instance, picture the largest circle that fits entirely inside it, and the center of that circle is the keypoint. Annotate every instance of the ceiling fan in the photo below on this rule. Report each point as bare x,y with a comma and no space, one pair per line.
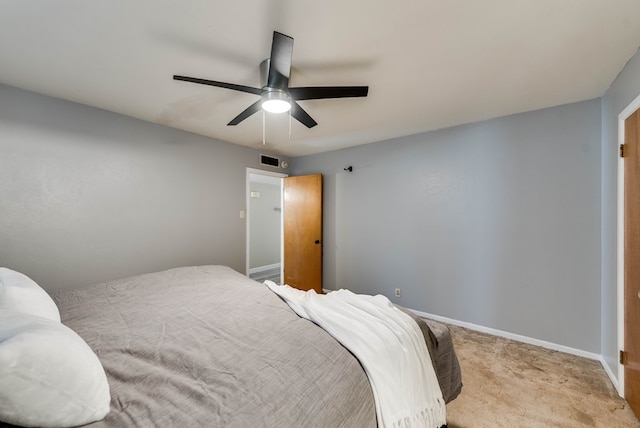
275,95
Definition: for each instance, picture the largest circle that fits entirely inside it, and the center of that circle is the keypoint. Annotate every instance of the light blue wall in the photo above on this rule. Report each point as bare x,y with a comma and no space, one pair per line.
87,195
495,223
622,92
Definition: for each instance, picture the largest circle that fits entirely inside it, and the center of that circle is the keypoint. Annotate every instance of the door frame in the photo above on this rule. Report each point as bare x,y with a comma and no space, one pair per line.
622,117
256,171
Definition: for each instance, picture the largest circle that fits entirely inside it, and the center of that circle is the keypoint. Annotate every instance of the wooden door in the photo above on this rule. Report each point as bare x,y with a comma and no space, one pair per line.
303,232
632,261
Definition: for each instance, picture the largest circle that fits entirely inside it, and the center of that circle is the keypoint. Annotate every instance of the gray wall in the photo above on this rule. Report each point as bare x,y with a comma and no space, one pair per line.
490,223
621,93
265,225
494,223
87,195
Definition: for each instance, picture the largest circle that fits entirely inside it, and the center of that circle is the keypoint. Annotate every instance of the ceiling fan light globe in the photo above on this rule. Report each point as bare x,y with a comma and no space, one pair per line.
276,102
276,106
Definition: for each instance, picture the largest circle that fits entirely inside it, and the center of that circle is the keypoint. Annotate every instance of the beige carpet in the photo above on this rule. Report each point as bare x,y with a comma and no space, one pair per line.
511,384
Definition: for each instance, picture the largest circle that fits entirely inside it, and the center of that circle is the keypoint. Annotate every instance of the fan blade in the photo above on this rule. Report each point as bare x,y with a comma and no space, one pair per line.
321,92
241,88
253,108
280,64
302,116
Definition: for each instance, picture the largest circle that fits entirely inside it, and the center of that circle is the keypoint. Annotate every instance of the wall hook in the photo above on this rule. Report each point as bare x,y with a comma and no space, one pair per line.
349,168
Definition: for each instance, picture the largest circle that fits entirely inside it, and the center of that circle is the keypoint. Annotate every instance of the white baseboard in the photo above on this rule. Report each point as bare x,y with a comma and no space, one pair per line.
263,268
525,339
517,337
614,379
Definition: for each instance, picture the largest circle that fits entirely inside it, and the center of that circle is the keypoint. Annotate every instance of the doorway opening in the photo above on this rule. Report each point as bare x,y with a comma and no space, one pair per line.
264,223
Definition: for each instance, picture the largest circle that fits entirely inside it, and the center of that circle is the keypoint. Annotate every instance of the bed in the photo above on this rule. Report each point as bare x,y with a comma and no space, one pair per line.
206,346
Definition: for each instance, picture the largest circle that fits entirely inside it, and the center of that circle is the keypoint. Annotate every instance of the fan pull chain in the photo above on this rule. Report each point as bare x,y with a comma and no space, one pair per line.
289,125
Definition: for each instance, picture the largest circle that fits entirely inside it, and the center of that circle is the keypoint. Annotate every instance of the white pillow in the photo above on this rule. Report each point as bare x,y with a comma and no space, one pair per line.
20,293
49,376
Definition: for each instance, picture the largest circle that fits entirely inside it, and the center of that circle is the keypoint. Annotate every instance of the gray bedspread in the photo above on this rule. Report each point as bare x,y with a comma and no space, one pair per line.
445,362
206,346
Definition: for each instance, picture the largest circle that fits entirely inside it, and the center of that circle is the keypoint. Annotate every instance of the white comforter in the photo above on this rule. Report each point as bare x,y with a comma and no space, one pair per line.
390,347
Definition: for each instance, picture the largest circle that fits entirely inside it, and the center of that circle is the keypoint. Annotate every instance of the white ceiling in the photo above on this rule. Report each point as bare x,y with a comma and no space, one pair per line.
429,64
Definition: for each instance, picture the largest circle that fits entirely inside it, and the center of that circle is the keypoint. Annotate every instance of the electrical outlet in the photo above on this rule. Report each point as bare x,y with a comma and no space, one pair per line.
398,293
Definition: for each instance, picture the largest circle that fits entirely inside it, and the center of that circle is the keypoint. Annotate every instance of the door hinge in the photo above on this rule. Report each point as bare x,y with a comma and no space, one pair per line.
623,358
621,150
